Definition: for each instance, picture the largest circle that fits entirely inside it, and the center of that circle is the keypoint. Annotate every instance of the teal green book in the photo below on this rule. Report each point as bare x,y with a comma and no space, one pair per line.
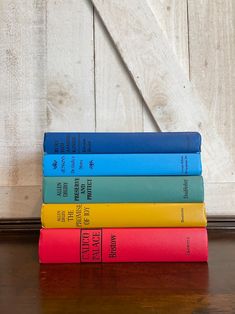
128,189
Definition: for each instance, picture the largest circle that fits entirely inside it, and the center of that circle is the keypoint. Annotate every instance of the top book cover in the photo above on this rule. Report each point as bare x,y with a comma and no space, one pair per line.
121,143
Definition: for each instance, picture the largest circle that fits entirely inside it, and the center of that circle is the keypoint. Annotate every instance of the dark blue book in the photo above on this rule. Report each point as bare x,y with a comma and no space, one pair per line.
122,143
58,165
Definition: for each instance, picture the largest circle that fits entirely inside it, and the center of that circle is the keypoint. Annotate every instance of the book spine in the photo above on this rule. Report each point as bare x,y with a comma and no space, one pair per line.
123,245
121,164
122,143
132,189
123,215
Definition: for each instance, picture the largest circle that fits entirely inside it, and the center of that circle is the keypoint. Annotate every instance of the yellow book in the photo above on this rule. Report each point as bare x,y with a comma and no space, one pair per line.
123,215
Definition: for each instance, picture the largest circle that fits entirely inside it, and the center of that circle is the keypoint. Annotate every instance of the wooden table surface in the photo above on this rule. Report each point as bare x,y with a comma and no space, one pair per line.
27,287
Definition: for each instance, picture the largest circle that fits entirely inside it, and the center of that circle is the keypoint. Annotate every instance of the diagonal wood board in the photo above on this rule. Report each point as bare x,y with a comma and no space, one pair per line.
161,81
61,71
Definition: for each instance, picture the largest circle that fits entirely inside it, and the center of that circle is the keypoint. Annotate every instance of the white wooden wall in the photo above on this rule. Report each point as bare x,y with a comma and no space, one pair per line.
59,70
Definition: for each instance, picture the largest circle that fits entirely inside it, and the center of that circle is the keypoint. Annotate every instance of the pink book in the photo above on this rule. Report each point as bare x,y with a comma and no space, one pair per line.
123,245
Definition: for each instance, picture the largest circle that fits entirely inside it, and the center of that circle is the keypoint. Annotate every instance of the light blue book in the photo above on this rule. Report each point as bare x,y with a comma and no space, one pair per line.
57,165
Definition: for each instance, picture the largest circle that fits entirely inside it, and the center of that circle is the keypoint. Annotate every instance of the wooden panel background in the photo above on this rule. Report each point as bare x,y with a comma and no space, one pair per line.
59,70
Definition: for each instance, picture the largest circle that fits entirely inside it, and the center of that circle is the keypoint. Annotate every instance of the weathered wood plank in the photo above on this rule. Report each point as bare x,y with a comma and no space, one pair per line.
30,32
118,104
22,90
220,198
212,67
70,66
161,81
172,18
212,61
24,75
20,201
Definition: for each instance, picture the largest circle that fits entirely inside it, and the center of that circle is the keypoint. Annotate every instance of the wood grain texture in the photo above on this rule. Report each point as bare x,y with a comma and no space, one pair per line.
22,90
47,83
70,66
212,68
212,61
139,288
220,198
20,201
118,104
172,18
53,68
161,81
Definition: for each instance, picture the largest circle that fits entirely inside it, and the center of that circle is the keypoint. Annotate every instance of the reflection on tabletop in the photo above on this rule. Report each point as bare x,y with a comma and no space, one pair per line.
123,285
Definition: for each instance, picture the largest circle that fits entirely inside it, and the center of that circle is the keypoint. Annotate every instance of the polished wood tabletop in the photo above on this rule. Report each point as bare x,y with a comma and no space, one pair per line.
27,287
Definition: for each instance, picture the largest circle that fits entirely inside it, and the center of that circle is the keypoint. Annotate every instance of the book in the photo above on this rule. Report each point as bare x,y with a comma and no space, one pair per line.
129,189
121,164
116,215
121,143
123,245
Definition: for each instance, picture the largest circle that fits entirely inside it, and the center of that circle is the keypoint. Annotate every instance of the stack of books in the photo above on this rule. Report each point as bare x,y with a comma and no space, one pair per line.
123,197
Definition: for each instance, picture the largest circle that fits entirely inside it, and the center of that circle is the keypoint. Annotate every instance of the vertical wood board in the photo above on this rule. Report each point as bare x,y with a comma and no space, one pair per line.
212,62
22,90
70,66
161,81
